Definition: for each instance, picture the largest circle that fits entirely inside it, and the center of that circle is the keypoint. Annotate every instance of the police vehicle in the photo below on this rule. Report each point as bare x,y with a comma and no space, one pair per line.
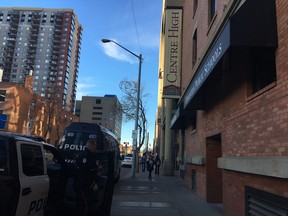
35,180
75,137
72,143
30,173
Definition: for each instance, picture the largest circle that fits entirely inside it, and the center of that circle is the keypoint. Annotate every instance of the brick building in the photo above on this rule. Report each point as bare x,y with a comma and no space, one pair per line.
28,113
229,122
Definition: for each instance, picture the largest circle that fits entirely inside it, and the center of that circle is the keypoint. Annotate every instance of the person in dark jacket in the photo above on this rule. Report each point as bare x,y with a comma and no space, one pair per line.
150,165
143,162
157,165
85,179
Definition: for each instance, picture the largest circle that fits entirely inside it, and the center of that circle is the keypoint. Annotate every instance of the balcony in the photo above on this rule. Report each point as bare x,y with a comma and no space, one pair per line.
57,37
33,35
53,63
56,42
31,51
13,29
53,68
32,46
14,23
54,57
10,45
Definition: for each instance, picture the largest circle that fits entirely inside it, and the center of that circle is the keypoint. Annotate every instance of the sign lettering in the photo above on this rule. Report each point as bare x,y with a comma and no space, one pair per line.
172,65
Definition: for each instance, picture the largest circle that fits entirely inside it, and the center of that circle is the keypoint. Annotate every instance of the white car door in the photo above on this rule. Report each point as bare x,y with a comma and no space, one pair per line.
34,181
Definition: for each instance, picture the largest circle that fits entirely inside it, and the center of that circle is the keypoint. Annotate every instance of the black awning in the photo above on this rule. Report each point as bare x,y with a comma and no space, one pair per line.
253,24
177,121
181,118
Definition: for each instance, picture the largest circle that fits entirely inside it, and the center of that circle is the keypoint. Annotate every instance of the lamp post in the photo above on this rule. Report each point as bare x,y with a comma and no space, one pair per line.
137,105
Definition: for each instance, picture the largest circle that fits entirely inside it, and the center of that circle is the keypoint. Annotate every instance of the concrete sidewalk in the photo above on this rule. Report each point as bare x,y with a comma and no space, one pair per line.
161,195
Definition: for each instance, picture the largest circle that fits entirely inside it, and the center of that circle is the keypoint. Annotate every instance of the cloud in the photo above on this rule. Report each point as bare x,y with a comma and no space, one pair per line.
86,88
116,52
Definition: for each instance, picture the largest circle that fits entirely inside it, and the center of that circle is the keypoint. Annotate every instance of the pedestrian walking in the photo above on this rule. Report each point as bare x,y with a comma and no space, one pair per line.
157,165
150,165
143,162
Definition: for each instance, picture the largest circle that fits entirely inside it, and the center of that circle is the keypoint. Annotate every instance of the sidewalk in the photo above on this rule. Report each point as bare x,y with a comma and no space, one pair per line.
161,195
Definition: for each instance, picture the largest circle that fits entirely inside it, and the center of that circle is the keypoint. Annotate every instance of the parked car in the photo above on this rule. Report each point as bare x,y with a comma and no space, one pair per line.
127,162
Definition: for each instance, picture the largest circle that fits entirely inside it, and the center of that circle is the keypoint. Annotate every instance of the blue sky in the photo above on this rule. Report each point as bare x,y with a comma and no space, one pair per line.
103,66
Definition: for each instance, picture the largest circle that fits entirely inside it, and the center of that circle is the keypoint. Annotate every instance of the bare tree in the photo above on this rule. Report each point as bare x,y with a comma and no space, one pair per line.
53,108
129,103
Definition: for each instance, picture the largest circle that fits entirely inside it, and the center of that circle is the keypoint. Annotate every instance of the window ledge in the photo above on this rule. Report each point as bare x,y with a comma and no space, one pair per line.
267,166
263,90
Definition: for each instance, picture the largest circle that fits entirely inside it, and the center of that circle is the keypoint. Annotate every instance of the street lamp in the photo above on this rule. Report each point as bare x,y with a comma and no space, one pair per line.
138,101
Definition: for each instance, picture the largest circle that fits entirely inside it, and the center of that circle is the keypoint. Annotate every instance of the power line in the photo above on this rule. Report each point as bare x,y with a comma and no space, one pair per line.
136,26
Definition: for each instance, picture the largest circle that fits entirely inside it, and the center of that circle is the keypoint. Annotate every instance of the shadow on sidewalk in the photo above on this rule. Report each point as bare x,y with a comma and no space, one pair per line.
159,195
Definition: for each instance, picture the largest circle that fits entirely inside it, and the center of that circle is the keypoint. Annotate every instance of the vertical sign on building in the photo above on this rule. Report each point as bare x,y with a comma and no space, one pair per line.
172,55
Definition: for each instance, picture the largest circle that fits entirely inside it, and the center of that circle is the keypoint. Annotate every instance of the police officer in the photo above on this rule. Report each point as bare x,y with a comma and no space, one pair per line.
85,177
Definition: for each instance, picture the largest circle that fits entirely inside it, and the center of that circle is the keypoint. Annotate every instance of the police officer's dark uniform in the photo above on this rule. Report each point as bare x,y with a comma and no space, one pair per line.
85,179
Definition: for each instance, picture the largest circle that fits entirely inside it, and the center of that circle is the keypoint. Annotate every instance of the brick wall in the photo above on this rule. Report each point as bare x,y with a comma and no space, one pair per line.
234,190
200,179
16,106
205,32
249,124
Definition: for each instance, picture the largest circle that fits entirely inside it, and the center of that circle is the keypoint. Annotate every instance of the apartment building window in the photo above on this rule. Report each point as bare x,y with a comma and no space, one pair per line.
263,68
194,49
193,122
97,113
212,9
195,5
98,101
97,119
98,108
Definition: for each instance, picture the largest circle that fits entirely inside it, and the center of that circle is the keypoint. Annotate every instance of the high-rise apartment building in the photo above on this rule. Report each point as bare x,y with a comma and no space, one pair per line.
106,111
47,42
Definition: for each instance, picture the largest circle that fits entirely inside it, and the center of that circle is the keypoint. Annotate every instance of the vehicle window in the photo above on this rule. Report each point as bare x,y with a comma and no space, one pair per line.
32,160
108,143
52,161
78,138
3,159
103,164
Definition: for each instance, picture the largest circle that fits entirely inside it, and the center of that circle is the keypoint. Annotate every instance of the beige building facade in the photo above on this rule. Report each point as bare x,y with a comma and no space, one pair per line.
106,111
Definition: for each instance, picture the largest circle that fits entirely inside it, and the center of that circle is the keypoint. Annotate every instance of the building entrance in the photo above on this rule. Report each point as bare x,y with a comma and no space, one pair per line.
214,174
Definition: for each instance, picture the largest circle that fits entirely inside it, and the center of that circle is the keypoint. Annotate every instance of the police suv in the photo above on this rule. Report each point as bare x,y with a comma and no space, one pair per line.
32,177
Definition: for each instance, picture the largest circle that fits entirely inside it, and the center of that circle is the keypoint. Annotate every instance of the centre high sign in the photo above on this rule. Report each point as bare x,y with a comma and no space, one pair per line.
172,56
